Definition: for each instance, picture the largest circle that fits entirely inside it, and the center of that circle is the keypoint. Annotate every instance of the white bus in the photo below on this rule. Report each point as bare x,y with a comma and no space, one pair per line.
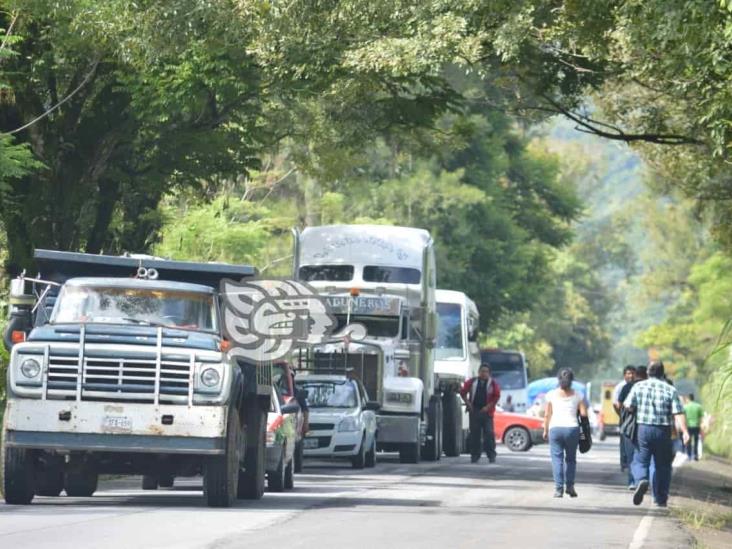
457,358
510,369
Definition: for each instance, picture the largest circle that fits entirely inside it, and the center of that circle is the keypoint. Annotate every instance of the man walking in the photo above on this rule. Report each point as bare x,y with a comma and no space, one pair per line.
628,378
481,394
694,413
657,406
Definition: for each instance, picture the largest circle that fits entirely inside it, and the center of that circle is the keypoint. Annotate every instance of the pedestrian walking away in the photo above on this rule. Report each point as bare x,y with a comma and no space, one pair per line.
694,413
561,429
628,378
657,407
481,394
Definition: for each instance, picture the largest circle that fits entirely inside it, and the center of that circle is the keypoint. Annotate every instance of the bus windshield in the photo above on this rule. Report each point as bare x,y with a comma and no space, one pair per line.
449,332
507,368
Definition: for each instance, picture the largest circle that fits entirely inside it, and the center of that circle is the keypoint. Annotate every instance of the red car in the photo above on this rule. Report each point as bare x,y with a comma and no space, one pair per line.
518,432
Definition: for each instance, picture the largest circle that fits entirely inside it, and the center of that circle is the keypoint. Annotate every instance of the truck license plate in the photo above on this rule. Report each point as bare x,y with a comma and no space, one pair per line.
310,443
119,424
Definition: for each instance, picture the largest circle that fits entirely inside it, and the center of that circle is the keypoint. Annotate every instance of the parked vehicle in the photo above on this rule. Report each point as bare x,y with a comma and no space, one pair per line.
281,442
610,418
519,432
124,371
457,358
510,369
383,278
342,419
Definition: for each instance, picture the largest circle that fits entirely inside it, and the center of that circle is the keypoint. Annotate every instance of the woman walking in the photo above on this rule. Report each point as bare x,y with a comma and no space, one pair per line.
561,429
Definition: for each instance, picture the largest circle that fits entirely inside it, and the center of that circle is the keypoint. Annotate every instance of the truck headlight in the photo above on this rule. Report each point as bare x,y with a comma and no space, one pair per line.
399,398
210,377
348,424
30,368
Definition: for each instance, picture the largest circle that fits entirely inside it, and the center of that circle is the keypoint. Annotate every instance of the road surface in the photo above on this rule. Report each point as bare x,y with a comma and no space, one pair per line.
451,504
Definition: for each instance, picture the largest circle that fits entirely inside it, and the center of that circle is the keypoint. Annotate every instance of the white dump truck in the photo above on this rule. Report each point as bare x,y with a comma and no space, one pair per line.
384,278
457,357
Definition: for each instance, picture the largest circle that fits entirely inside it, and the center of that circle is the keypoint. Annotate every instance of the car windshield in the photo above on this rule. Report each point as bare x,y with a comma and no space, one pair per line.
449,332
143,306
330,394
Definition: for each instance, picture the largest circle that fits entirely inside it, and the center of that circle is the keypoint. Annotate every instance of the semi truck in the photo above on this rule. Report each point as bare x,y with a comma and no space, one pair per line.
382,277
457,358
119,365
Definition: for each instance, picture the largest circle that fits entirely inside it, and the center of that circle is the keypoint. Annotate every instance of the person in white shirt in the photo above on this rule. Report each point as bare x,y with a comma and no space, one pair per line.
562,430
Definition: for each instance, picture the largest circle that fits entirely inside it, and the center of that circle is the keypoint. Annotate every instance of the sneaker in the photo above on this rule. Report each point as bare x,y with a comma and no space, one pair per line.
558,493
631,487
570,492
491,460
660,505
640,492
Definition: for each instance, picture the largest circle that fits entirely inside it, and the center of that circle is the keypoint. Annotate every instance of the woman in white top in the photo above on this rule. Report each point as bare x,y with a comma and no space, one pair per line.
562,430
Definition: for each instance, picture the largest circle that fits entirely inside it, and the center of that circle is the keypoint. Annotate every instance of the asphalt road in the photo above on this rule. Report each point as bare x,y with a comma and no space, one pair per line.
451,504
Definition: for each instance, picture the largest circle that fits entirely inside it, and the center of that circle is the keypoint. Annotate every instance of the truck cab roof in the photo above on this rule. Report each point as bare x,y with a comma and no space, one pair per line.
113,282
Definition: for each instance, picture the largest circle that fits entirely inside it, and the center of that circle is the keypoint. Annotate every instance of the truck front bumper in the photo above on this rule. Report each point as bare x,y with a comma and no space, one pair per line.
69,426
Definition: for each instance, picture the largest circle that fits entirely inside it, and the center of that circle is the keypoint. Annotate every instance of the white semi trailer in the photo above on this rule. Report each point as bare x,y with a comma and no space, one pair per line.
457,357
384,278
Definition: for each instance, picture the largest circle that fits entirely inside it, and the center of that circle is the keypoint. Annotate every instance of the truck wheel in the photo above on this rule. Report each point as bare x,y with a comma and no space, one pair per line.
409,452
149,482
433,446
359,460
50,481
81,482
167,481
290,475
251,480
18,476
452,422
221,473
299,456
517,439
371,455
276,478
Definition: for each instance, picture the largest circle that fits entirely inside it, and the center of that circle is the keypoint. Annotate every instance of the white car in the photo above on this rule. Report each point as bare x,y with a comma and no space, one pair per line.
342,419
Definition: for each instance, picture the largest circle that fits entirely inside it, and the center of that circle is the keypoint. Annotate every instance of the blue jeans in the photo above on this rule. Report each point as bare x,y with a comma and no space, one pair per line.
654,442
563,443
629,448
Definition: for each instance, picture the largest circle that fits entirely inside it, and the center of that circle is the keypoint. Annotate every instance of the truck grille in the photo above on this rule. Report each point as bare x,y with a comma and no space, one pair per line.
120,378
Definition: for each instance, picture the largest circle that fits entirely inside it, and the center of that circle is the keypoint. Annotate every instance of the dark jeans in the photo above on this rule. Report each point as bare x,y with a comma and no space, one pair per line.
623,453
692,449
654,442
629,448
563,443
481,427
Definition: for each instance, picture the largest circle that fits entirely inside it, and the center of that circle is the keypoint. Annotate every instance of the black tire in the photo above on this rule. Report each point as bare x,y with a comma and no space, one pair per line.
276,478
81,482
517,439
167,481
359,460
19,485
299,456
371,455
149,482
251,480
409,452
221,473
452,422
290,475
432,450
50,482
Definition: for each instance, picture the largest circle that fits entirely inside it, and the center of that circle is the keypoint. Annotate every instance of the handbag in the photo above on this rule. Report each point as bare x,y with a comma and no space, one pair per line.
585,439
629,426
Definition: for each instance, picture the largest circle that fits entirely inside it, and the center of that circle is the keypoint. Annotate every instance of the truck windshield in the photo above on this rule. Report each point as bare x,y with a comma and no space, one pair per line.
376,326
114,305
508,368
336,273
449,332
330,394
393,275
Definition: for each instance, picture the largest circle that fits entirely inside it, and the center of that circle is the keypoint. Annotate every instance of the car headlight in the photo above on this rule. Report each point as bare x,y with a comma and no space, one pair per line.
399,398
30,368
348,424
210,377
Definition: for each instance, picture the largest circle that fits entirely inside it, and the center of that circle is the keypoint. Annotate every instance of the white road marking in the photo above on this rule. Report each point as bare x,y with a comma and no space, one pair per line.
641,533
